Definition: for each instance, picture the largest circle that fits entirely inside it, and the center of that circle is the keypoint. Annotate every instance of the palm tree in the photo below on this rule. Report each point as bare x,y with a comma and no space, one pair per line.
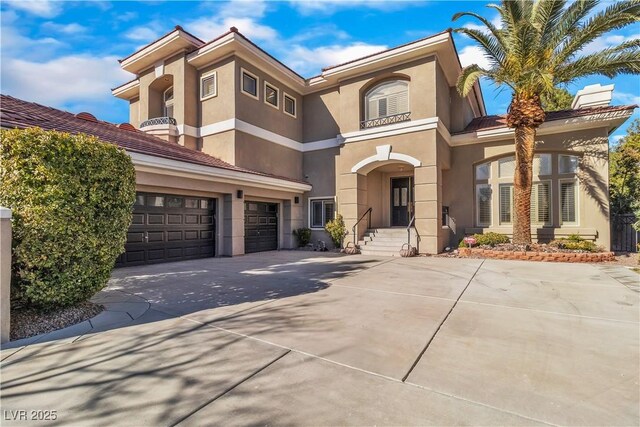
536,48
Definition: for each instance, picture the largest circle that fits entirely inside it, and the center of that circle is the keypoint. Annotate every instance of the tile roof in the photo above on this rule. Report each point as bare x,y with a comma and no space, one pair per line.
16,113
500,121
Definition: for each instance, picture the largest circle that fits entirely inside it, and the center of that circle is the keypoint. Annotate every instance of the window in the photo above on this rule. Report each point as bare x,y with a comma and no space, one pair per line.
271,95
568,202
483,171
567,164
289,105
540,203
168,102
249,84
208,85
321,211
506,167
387,99
483,204
542,164
157,201
174,202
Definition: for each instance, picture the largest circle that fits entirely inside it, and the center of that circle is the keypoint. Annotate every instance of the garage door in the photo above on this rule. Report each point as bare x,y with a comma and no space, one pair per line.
168,228
260,227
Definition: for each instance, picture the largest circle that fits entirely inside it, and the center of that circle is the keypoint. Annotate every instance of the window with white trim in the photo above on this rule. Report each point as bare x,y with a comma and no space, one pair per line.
271,95
249,83
541,164
483,204
483,172
569,201
208,85
289,105
387,99
167,97
567,164
540,203
321,211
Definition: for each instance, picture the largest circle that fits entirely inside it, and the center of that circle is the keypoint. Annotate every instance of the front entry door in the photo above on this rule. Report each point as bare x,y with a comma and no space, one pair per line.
401,201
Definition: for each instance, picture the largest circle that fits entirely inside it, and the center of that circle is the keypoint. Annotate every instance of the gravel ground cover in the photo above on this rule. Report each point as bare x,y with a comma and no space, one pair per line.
27,322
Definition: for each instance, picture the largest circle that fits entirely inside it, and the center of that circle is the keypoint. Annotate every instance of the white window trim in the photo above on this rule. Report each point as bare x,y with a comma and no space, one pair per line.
264,93
249,73
568,155
366,96
500,185
310,199
577,199
215,86
475,168
477,205
295,105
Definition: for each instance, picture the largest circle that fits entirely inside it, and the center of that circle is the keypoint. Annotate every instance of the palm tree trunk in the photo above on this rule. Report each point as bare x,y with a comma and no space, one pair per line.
522,181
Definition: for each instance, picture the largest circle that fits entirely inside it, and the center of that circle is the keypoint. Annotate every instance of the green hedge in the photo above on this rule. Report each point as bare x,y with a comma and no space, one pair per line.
489,238
71,197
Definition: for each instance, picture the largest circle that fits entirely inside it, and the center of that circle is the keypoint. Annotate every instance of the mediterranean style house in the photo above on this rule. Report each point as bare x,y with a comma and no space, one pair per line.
234,151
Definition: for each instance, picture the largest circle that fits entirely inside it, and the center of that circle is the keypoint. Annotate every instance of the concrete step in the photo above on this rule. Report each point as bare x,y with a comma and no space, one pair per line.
387,231
379,253
381,247
385,238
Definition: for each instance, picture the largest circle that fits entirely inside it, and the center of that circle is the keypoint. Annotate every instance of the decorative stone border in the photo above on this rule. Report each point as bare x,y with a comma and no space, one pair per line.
539,256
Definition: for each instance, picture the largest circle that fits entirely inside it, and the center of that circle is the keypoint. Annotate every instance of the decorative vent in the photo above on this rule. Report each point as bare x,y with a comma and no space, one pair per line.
87,116
127,126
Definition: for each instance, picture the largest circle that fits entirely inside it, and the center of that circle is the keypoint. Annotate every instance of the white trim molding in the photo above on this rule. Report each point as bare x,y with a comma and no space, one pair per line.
310,200
383,153
204,76
390,130
145,162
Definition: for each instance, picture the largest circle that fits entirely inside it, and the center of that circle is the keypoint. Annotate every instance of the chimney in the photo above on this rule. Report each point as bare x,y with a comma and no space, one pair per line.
593,96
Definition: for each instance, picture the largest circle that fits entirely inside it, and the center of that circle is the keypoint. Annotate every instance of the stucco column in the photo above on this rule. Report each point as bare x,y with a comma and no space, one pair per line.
5,274
428,206
292,219
233,225
353,202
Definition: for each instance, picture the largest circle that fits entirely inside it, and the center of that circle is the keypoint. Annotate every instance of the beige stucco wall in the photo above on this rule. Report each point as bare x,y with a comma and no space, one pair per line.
443,101
593,199
259,113
222,106
220,145
134,111
265,156
321,115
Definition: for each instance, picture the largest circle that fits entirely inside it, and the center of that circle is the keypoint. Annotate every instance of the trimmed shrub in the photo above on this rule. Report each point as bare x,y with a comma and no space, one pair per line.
303,235
575,243
490,239
337,230
71,197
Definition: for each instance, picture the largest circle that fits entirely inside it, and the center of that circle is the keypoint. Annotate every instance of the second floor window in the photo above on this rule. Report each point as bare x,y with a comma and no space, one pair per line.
168,102
387,99
249,84
289,105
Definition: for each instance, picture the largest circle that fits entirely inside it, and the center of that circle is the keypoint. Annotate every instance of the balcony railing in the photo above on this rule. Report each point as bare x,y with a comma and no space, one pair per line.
387,120
159,121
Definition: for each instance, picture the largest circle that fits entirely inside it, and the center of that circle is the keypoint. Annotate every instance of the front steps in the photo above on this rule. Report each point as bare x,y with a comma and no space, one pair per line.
383,241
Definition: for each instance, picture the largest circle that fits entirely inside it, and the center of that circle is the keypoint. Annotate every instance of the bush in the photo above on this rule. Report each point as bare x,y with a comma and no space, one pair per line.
303,235
71,197
575,243
490,239
337,230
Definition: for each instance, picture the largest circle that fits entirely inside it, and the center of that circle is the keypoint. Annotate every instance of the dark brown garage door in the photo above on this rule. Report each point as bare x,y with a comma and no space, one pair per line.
260,227
168,228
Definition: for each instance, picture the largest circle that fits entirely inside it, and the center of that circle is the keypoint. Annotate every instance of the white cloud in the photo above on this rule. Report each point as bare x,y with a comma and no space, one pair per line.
327,7
144,34
15,44
616,138
308,60
473,55
67,79
605,42
42,8
626,98
70,29
207,28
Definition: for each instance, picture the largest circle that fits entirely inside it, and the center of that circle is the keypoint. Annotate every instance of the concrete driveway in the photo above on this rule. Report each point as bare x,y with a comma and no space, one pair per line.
302,338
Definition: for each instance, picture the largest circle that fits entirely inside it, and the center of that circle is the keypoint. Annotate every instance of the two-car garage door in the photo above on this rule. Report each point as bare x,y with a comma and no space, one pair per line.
169,228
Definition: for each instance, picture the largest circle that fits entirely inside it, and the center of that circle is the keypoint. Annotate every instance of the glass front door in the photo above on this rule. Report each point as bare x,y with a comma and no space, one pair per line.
401,201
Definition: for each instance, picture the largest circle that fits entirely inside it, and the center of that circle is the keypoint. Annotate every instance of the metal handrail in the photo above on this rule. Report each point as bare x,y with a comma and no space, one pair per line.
353,229
411,223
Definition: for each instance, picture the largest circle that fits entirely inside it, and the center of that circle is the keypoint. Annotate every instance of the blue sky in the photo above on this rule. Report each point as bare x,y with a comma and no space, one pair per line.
64,53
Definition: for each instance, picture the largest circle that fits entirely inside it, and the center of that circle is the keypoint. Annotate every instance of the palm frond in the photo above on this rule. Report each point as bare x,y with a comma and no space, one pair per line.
570,20
492,47
614,17
468,77
609,63
545,17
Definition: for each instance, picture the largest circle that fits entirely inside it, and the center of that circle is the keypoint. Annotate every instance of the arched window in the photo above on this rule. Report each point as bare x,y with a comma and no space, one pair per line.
387,99
168,102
